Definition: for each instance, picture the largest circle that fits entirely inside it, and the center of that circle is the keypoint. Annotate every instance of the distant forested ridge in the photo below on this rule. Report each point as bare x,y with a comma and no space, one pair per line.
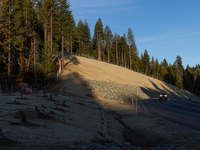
33,31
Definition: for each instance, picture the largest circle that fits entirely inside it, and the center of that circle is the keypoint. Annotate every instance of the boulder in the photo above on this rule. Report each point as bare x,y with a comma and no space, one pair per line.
29,113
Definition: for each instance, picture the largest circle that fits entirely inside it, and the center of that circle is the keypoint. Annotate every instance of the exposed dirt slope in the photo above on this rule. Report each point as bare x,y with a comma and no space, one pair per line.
83,68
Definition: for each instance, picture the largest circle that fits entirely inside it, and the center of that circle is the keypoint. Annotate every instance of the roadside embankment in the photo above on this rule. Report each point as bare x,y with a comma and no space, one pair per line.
126,92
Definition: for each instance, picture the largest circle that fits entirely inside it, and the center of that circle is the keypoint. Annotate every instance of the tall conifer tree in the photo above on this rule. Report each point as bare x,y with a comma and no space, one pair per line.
98,35
109,37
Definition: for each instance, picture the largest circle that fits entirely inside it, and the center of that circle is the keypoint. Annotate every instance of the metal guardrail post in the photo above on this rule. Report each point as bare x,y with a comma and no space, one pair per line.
132,103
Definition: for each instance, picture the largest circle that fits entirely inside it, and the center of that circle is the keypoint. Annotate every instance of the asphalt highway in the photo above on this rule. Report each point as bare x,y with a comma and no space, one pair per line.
181,111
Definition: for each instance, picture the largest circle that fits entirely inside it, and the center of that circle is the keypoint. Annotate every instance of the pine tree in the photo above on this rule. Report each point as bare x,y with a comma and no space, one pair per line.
171,74
152,66
188,78
142,63
79,33
196,83
1,39
1,23
130,39
98,35
87,36
7,23
146,61
121,40
65,25
162,71
178,67
165,64
116,48
157,67
125,48
108,37
47,66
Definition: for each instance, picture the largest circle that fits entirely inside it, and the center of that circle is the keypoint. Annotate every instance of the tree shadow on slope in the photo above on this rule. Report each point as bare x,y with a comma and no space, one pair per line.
73,59
71,86
173,92
176,92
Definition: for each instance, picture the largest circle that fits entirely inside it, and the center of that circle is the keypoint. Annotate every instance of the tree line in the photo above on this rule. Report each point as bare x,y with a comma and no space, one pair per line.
33,31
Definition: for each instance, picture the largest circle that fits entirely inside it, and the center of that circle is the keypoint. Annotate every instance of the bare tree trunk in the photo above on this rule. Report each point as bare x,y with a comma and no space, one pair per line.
67,41
103,51
51,31
71,45
79,45
122,57
62,52
45,29
130,58
88,49
26,37
108,52
9,51
116,49
35,63
99,46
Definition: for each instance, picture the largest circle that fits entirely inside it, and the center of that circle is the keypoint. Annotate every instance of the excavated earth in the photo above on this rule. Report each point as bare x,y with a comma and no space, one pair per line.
91,103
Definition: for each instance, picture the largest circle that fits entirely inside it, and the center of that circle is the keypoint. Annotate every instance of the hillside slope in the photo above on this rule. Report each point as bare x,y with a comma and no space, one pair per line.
77,69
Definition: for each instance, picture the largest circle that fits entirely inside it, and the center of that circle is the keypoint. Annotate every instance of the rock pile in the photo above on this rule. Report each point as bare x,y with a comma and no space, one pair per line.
125,92
115,91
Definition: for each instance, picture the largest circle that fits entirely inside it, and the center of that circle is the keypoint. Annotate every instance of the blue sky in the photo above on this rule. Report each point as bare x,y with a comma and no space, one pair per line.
165,28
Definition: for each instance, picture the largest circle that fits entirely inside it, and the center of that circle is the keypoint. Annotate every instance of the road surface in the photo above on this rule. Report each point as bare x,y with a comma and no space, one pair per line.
181,111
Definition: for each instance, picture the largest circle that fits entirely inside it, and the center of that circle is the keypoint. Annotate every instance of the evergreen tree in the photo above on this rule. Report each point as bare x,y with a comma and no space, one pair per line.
87,36
7,23
98,35
116,48
1,39
152,66
47,66
126,53
65,25
146,61
171,75
196,76
188,78
137,63
178,67
92,47
1,23
108,37
130,39
79,32
157,67
142,63
165,64
162,71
